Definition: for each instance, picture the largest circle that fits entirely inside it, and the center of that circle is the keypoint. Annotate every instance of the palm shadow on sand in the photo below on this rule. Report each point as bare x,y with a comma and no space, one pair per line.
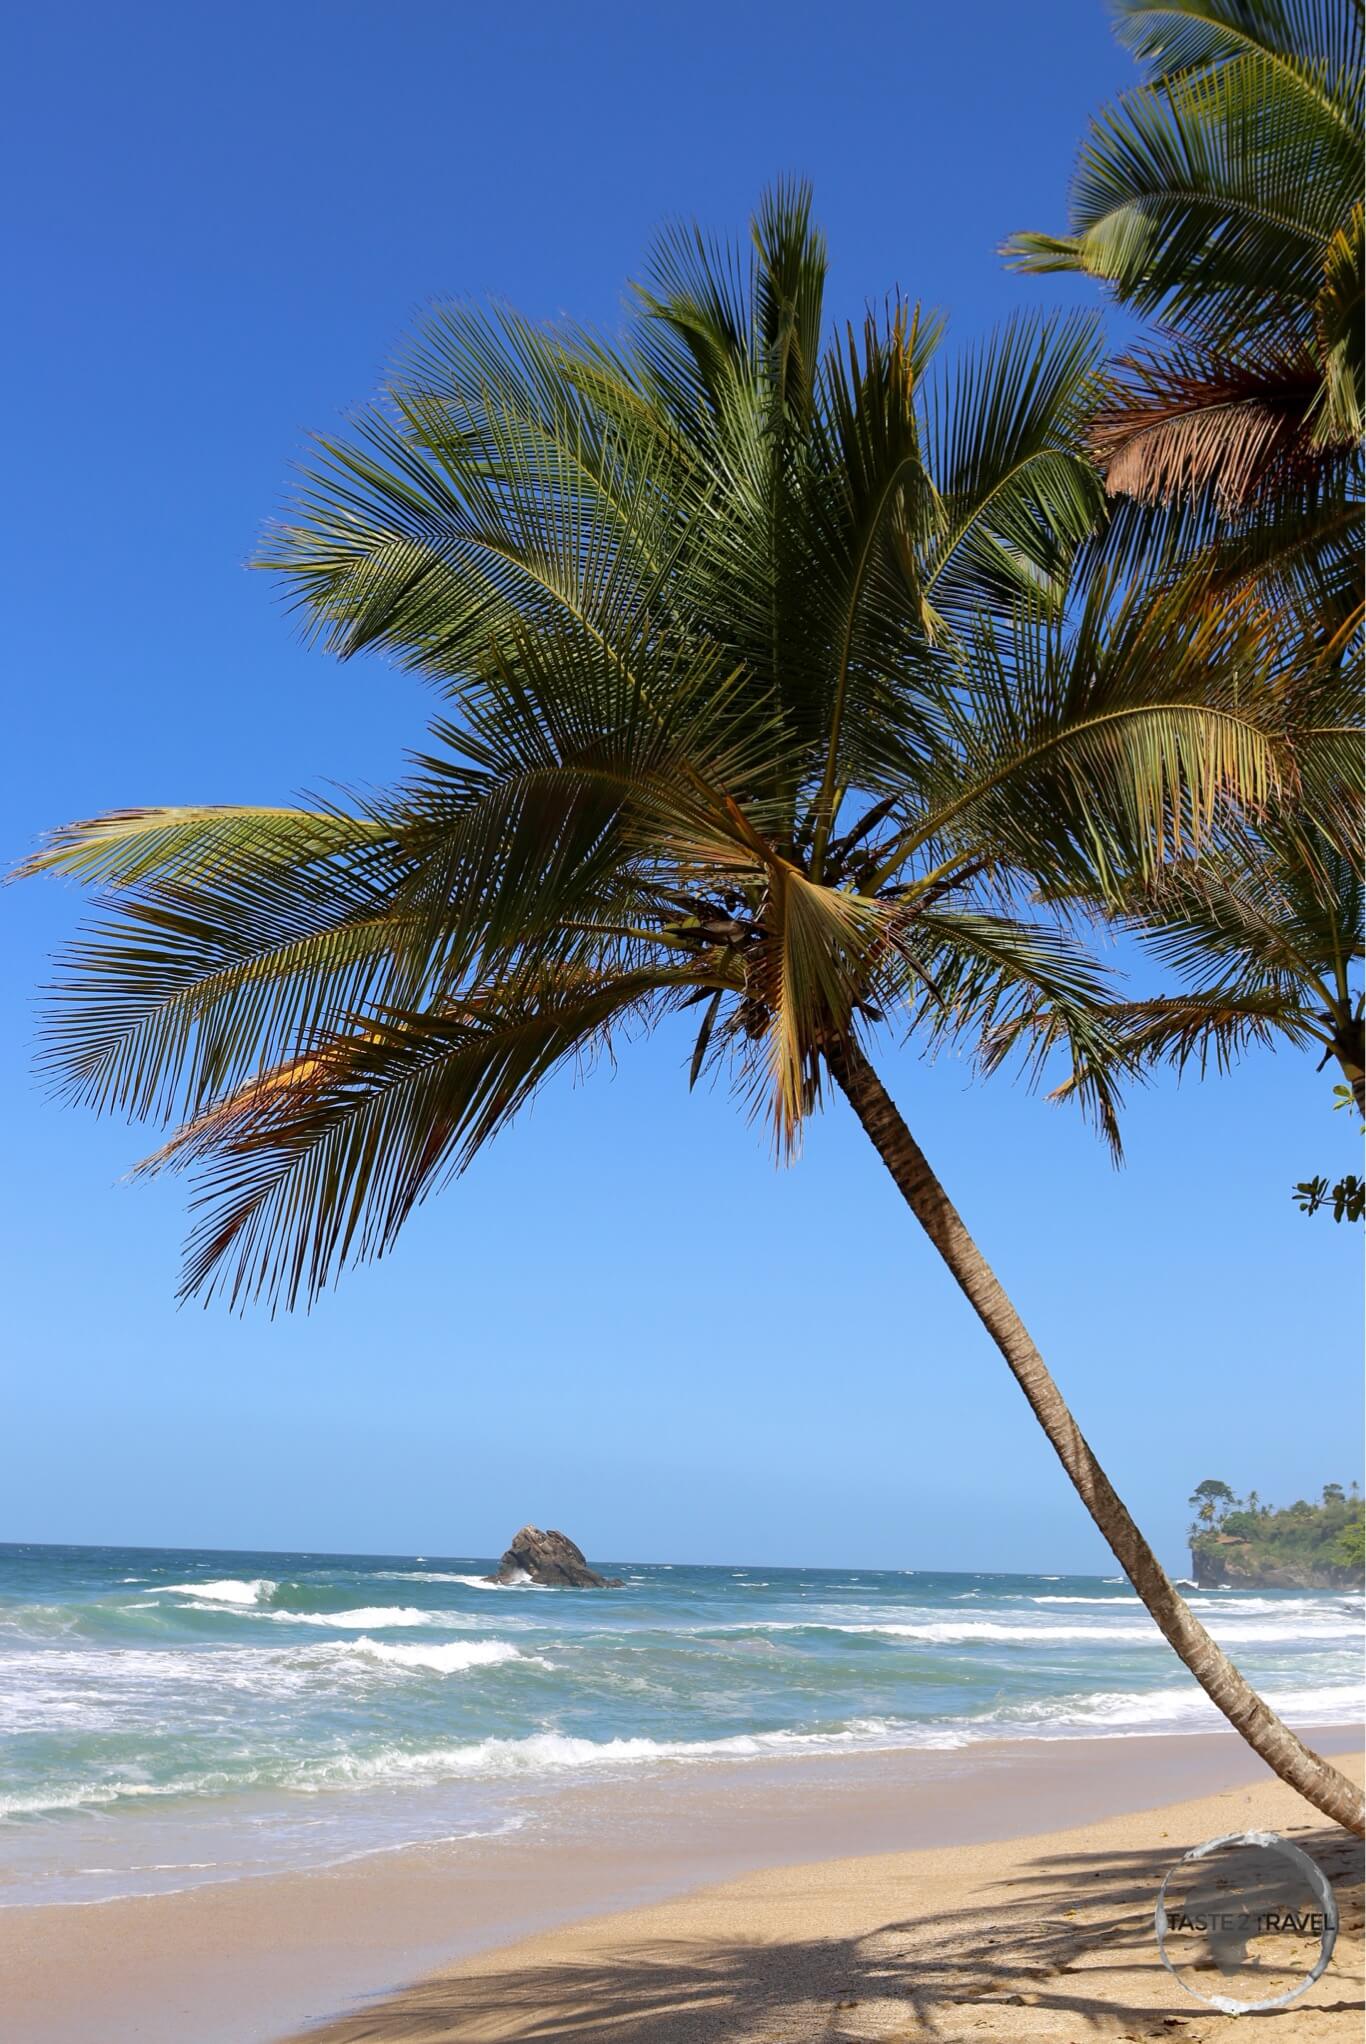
1065,1951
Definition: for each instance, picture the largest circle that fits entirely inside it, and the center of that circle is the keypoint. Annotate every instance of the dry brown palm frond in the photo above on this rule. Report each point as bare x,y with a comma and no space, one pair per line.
1185,421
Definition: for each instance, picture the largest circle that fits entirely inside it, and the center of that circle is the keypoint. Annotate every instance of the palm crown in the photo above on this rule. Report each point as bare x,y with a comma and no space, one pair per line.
764,697
1223,198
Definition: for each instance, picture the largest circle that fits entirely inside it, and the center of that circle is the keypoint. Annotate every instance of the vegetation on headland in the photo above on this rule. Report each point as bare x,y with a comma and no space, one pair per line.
801,682
1246,1541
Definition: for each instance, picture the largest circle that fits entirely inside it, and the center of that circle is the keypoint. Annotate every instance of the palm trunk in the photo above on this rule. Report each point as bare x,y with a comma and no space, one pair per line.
1318,1782
1349,1047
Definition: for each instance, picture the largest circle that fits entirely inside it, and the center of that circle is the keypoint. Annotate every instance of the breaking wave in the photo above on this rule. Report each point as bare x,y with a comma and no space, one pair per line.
229,1591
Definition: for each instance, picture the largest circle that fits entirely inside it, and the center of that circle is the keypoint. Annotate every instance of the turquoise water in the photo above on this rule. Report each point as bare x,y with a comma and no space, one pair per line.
170,1717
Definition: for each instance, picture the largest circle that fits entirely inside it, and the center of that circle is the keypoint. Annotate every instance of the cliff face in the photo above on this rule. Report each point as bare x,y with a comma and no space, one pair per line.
1221,1560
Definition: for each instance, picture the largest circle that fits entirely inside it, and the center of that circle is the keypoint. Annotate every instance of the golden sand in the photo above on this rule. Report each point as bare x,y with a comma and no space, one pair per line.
1043,1938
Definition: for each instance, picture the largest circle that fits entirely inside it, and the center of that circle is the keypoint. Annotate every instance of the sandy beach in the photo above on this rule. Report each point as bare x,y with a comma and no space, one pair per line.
1048,1937
749,1903
1043,1938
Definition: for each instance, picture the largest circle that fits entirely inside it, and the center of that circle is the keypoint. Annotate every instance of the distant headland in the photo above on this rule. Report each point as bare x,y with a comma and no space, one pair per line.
1239,1543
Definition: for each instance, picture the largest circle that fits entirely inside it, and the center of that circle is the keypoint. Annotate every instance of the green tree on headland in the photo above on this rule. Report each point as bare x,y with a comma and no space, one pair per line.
1350,1547
1209,1499
765,706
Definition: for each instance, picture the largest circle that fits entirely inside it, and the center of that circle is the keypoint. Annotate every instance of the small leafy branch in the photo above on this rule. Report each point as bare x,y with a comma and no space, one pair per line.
1348,1196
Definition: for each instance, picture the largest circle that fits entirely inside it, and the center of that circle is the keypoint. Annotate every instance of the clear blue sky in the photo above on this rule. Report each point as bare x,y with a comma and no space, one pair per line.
625,1322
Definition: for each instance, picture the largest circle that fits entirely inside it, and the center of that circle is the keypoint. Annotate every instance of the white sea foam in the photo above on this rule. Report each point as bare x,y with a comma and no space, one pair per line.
1324,1627
1168,1710
1105,1603
259,1591
368,1618
78,1795
555,1752
1323,1603
519,1581
537,1754
39,1621
963,1632
452,1659
1103,1715
104,1690
419,1575
1164,1711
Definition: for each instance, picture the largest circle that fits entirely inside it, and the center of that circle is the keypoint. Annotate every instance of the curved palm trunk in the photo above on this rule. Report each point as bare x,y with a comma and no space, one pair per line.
1277,1745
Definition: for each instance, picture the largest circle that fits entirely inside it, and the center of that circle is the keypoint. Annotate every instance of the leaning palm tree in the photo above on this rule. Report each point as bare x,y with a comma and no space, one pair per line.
764,706
1222,198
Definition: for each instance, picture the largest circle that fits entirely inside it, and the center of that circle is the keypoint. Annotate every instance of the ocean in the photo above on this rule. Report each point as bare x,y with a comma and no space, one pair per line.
172,1717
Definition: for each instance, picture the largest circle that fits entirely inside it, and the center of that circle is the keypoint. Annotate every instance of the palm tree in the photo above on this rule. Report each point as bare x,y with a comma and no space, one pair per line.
764,703
1223,199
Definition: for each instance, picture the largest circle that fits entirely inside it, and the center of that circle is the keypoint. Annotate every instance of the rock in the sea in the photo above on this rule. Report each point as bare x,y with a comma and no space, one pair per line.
549,1558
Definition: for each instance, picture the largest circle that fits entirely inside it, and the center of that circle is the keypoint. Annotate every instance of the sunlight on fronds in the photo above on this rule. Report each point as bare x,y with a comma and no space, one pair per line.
786,691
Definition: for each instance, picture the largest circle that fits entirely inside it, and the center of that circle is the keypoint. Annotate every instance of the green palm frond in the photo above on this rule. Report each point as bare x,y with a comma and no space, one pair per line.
1316,44
224,935
1341,345
321,1160
1210,198
1265,938
1278,913
125,846
1005,435
1103,743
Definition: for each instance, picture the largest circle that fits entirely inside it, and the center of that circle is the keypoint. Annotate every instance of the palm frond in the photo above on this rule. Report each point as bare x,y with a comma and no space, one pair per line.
1317,44
190,845
1004,434
1107,743
319,1162
1210,198
1185,421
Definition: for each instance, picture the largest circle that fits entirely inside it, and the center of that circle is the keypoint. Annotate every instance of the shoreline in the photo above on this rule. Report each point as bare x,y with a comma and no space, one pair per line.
261,1959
